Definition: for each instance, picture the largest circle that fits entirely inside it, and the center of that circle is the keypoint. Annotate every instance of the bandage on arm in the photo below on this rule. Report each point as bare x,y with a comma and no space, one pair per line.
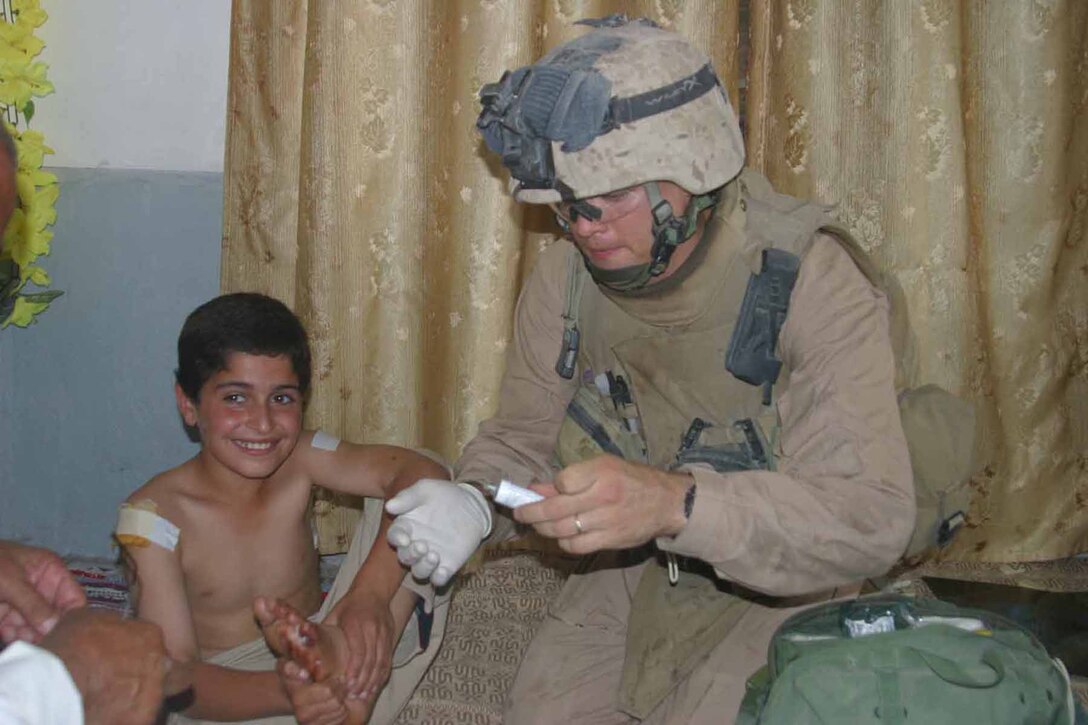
325,441
140,525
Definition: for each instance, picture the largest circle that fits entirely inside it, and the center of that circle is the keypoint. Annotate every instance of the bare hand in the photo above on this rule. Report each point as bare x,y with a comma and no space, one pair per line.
368,625
117,665
36,588
320,703
608,503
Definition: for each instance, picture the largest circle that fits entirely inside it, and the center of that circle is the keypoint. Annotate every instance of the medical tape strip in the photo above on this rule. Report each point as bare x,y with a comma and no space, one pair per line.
324,441
139,527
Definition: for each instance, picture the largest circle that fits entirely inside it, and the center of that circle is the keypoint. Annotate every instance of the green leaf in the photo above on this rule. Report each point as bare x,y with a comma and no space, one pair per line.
24,312
8,271
10,281
28,111
43,297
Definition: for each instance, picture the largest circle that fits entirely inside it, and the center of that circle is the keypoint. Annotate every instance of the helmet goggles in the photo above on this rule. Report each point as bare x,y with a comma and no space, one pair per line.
563,99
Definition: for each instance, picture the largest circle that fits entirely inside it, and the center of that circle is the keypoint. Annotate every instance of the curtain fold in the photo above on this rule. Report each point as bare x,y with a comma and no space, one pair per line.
951,136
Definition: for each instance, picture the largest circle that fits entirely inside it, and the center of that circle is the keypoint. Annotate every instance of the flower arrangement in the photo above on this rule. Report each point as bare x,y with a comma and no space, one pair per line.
27,236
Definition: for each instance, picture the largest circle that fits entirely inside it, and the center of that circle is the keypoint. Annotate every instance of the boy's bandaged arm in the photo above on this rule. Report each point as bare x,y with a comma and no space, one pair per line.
141,525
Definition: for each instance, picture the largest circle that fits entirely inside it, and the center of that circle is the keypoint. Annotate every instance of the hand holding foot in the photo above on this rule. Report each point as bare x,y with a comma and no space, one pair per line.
313,660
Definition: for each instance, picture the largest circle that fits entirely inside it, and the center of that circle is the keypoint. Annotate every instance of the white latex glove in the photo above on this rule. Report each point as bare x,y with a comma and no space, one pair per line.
438,526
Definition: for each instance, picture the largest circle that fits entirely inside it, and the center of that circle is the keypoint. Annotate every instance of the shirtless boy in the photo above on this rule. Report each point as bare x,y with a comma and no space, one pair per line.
233,523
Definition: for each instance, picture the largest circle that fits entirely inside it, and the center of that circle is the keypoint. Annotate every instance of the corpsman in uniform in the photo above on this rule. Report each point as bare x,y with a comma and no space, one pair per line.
700,383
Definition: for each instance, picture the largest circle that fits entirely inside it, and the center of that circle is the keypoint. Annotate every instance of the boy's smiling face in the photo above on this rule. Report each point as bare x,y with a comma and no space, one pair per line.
249,414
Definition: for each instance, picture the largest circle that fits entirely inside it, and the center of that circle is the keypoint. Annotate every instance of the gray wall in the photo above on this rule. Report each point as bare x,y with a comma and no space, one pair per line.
86,401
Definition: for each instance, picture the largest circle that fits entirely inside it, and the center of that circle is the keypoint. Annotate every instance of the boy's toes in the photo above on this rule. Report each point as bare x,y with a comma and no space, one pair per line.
262,610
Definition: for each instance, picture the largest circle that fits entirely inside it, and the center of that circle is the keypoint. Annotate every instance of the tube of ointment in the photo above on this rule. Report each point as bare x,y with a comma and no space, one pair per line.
511,495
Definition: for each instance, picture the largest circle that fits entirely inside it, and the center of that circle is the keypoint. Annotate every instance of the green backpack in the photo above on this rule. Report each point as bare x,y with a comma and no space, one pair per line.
887,660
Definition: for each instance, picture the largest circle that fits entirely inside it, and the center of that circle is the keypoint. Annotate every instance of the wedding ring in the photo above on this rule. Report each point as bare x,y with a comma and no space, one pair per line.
578,525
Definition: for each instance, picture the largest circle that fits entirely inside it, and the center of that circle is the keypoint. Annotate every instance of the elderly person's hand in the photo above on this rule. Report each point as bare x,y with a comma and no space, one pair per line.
608,503
118,665
36,588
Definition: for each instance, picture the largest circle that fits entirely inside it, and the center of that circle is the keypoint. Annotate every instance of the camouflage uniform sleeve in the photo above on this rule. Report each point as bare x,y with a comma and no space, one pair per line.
518,443
840,506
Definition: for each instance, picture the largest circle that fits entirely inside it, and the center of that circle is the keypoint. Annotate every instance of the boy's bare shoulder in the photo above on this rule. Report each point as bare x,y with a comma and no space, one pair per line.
167,490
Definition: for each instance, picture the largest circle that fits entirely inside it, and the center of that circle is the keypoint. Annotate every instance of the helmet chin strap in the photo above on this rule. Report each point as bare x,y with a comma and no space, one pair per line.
669,232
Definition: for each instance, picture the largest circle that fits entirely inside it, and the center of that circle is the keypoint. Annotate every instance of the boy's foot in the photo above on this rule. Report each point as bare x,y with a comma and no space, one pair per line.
321,650
318,652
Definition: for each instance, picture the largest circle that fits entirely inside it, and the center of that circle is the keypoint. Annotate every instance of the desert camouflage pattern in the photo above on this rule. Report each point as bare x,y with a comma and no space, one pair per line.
836,509
697,145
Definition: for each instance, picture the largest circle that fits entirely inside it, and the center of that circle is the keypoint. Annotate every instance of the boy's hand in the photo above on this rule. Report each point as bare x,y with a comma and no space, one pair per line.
320,703
438,526
368,626
36,588
314,703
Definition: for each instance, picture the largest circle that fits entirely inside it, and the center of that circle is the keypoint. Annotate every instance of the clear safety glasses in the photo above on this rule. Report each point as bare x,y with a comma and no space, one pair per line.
604,209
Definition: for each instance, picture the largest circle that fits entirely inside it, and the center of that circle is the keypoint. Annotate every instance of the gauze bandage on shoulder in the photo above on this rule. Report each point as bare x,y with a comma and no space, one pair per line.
324,441
140,525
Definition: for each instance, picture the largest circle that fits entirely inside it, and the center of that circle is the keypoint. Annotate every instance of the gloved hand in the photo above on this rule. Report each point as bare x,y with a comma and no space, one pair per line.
438,526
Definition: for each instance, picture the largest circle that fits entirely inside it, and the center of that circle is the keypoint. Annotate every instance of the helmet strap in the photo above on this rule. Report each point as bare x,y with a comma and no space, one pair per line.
669,232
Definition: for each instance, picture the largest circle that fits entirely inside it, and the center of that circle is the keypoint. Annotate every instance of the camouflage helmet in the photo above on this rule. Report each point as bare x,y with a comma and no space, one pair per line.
625,104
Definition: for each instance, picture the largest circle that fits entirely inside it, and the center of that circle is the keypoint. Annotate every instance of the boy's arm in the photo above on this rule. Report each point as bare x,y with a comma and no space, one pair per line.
220,693
377,471
365,612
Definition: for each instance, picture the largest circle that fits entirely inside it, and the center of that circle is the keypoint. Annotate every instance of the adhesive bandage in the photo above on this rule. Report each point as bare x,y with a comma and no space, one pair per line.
141,525
324,441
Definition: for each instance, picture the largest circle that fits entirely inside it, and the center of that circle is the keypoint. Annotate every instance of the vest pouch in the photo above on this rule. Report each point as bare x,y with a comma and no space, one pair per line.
742,446
940,433
593,427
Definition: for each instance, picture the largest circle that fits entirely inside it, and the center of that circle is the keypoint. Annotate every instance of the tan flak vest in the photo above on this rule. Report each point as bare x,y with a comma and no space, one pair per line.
655,389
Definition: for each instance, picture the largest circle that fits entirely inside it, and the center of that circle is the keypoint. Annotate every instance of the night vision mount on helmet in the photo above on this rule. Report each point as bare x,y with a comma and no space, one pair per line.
626,104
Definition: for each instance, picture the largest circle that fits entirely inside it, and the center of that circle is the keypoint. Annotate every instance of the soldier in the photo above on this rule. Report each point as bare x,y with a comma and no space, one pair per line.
710,367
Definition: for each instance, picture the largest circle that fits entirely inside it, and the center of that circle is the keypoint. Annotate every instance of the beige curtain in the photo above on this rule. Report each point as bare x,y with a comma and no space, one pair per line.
954,138
951,135
358,191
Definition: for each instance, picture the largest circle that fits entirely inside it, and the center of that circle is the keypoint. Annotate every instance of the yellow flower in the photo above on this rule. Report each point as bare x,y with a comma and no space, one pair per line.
31,147
31,150
37,275
44,210
29,12
13,235
24,312
20,81
23,243
37,202
27,236
18,42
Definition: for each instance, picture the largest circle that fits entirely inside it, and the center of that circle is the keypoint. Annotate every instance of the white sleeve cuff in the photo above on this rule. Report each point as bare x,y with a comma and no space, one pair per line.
36,688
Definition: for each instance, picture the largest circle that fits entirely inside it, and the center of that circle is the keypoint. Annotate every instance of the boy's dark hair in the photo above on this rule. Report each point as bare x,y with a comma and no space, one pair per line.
244,322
